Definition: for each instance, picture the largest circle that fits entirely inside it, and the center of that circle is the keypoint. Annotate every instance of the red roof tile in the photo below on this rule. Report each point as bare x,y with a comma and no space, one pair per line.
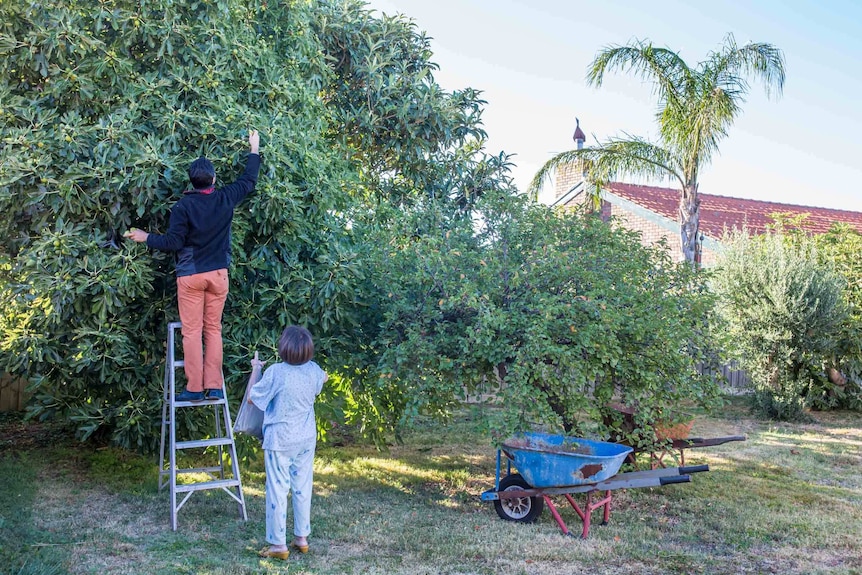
718,213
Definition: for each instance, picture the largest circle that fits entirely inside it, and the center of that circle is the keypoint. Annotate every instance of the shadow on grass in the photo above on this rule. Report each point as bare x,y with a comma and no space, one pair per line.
19,553
415,509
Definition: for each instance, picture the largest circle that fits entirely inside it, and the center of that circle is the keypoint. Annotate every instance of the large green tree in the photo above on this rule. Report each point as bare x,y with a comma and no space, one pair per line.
103,107
696,107
553,316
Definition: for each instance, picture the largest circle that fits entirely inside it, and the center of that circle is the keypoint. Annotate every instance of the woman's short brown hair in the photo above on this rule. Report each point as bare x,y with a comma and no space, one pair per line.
295,345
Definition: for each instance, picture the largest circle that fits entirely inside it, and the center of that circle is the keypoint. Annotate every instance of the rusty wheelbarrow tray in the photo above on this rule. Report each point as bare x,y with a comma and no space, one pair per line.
558,465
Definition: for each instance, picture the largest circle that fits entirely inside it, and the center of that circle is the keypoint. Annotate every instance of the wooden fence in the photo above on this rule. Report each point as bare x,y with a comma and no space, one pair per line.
12,393
737,381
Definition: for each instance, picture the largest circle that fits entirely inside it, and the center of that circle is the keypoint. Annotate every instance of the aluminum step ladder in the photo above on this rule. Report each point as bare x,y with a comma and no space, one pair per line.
223,441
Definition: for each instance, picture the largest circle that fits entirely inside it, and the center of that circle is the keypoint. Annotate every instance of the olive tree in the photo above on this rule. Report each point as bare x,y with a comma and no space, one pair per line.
783,308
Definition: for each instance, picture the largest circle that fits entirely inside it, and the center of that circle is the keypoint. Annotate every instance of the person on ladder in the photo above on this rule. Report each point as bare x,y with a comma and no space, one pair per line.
199,233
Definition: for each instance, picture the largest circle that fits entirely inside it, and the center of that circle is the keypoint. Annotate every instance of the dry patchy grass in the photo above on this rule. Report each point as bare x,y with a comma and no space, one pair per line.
788,500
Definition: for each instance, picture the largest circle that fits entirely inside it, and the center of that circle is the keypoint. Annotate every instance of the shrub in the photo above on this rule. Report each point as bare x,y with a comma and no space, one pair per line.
556,315
840,248
783,308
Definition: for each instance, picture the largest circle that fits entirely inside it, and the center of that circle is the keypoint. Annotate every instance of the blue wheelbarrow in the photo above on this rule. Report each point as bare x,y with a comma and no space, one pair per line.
551,465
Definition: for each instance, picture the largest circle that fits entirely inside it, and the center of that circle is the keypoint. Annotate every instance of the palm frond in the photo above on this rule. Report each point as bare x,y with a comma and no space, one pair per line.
544,173
694,131
672,76
697,127
733,64
632,156
635,157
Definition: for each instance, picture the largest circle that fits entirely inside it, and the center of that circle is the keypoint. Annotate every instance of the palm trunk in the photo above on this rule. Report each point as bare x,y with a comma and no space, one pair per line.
689,222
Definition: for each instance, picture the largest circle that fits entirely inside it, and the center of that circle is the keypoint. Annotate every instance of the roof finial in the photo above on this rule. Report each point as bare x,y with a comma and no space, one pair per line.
579,136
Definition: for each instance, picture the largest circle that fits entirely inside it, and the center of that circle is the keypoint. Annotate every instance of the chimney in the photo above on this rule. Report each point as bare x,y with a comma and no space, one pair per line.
570,175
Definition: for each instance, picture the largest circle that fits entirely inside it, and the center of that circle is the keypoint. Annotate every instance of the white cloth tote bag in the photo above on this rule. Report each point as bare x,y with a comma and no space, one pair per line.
249,418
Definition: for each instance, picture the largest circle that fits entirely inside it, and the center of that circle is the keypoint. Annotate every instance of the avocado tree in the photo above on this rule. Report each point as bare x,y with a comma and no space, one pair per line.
103,107
102,110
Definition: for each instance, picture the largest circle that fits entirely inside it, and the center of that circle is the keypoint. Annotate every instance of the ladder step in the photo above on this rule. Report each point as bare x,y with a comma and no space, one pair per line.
204,443
210,470
216,484
202,403
179,363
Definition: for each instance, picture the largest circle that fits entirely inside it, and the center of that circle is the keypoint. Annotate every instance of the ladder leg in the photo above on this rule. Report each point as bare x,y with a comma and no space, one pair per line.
234,460
218,423
165,423
172,377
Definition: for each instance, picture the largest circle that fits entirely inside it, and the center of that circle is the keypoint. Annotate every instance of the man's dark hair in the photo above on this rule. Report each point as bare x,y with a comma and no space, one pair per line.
201,173
295,345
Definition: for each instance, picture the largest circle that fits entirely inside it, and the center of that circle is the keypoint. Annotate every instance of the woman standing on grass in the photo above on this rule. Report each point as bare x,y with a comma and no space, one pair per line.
286,395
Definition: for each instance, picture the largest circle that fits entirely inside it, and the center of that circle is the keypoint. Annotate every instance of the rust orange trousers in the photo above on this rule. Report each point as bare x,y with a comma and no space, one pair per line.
201,298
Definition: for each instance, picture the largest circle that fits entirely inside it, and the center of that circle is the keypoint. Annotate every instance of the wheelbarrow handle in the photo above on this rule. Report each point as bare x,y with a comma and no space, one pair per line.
674,479
693,469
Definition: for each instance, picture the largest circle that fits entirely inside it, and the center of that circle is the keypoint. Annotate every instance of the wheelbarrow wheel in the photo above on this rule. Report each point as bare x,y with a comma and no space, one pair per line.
520,509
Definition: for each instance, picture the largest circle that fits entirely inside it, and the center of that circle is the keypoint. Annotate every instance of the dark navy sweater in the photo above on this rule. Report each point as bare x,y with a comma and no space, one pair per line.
199,228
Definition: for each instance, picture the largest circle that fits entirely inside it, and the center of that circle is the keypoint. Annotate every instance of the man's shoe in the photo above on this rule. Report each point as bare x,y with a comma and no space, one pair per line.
187,395
214,394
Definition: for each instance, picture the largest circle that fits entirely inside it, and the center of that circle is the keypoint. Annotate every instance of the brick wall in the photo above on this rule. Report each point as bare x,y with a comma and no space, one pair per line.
568,176
652,232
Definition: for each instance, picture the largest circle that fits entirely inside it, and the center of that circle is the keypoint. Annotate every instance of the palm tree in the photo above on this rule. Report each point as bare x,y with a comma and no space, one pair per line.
696,107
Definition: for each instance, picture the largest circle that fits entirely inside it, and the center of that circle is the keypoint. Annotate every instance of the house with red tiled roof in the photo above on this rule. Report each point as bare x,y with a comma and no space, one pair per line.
653,211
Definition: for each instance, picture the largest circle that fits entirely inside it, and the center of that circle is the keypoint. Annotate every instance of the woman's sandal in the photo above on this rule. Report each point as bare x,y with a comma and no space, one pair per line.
270,554
300,548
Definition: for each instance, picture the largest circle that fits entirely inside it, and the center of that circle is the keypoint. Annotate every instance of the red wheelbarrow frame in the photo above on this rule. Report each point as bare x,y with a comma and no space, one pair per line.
680,445
629,480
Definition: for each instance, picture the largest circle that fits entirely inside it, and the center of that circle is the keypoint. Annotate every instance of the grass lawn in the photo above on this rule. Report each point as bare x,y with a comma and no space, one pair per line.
786,501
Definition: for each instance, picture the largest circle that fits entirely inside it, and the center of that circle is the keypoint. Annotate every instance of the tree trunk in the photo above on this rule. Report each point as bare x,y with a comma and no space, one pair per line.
689,223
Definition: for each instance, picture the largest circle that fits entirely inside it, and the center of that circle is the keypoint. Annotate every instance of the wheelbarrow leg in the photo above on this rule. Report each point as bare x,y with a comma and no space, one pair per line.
556,514
607,512
587,512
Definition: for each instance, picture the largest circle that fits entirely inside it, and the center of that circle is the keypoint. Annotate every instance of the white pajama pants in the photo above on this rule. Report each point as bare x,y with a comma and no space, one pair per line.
288,472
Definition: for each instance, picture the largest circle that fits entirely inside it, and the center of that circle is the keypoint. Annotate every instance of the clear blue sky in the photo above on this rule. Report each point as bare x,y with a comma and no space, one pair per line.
530,57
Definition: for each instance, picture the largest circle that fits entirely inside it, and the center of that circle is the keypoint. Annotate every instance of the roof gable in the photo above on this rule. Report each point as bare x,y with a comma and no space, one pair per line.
718,213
